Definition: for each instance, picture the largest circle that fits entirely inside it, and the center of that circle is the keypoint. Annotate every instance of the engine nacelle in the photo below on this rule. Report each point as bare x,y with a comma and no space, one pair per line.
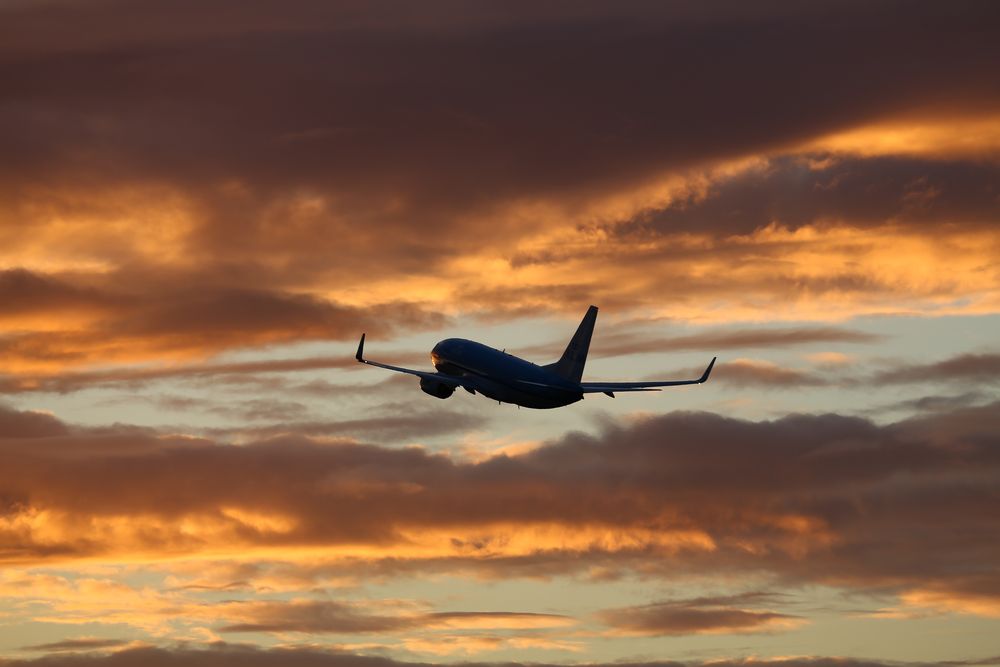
435,388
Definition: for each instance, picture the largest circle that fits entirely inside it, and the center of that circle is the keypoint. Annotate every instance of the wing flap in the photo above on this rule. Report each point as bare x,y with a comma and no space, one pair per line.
595,388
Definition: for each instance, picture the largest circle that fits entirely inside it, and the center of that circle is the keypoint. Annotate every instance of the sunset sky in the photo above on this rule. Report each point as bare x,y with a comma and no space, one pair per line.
204,203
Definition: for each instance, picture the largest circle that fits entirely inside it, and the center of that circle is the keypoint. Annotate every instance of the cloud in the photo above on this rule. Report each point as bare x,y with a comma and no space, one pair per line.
819,272
976,137
24,293
937,403
183,322
801,190
723,615
312,616
753,373
263,372
29,424
185,179
981,369
226,654
81,644
615,344
823,499
498,619
391,422
376,135
74,598
974,368
223,221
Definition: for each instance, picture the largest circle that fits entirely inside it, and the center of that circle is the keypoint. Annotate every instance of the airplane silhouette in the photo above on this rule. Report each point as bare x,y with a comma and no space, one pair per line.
503,377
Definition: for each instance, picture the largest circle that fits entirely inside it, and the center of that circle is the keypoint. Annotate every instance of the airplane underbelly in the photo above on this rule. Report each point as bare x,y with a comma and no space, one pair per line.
508,392
539,399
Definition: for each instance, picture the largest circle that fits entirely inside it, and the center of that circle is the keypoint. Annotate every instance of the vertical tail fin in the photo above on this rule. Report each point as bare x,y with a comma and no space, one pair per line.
570,365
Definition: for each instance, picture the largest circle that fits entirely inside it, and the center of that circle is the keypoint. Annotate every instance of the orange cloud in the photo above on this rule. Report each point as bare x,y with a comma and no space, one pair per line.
133,236
220,654
790,235
976,137
180,323
158,209
688,492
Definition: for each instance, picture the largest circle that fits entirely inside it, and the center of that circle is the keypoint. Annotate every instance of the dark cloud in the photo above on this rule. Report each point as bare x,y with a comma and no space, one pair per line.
28,424
698,616
287,154
316,617
262,409
617,343
392,384
330,617
192,321
743,373
210,318
84,644
809,498
23,292
528,618
792,191
498,303
978,368
228,586
221,654
490,106
260,373
976,423
981,369
399,423
739,339
937,403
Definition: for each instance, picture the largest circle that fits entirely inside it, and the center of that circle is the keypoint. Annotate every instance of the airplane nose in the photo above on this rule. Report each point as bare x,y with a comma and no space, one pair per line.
443,346
436,354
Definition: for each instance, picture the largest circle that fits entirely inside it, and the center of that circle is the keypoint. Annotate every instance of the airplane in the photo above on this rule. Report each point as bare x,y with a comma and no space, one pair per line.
505,378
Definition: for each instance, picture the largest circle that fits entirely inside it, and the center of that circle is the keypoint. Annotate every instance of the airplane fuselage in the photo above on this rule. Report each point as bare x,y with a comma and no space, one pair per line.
504,377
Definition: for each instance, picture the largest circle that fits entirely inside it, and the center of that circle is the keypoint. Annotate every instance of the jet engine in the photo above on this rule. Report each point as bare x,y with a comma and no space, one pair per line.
435,388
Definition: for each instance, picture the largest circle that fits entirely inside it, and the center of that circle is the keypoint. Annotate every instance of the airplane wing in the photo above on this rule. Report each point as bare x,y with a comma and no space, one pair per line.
439,377
610,387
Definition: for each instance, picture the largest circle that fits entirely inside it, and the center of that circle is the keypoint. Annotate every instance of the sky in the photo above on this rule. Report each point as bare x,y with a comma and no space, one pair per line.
204,204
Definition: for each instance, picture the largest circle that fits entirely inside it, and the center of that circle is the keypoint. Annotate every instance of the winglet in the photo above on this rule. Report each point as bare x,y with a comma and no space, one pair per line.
361,349
703,378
